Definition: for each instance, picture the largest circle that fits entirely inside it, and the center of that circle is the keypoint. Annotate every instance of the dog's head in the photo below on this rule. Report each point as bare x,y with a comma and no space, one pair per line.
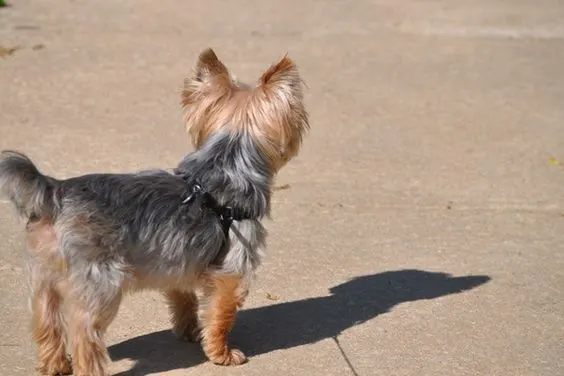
271,111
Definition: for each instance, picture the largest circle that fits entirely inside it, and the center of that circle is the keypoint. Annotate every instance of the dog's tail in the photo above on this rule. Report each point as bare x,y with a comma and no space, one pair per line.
30,191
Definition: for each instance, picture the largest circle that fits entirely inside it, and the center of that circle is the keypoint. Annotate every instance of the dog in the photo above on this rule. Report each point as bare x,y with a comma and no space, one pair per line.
94,238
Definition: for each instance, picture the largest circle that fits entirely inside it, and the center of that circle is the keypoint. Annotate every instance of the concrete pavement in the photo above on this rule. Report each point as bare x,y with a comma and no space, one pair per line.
423,230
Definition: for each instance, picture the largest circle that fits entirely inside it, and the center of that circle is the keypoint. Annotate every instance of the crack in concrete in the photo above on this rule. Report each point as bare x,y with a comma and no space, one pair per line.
347,360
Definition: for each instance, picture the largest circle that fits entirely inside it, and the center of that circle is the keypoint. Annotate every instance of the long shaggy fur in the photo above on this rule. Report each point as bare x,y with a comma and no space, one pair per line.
95,237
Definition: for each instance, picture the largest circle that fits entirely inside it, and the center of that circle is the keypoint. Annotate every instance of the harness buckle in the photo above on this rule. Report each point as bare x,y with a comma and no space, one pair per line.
196,190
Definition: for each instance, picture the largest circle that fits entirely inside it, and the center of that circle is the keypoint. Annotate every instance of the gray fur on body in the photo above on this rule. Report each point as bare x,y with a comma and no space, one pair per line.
111,225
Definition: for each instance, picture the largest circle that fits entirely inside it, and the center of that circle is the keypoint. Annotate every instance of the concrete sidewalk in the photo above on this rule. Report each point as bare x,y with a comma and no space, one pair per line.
423,230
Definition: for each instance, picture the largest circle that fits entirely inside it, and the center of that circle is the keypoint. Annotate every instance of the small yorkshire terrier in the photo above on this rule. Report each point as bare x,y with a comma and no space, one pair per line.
95,237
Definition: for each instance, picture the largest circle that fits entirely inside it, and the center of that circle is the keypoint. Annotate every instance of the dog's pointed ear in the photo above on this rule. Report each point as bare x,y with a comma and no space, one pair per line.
284,77
279,101
209,67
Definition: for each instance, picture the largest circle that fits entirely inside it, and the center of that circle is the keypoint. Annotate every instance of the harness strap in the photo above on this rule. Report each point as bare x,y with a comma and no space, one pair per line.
226,215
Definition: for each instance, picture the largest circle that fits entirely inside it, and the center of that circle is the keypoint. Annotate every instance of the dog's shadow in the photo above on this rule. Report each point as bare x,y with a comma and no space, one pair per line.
286,325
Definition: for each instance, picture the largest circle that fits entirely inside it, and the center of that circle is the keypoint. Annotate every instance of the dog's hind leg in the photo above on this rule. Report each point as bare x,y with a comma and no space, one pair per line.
88,324
49,330
183,308
46,301
223,295
95,296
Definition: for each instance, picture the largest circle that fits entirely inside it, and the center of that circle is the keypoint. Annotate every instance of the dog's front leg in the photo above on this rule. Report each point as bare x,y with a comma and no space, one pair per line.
223,295
184,314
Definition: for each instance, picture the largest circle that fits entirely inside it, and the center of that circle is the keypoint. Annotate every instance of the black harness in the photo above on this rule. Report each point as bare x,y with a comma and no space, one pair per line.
226,215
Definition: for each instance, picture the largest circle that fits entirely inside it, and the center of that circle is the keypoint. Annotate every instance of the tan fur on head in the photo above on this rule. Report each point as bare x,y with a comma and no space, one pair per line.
272,112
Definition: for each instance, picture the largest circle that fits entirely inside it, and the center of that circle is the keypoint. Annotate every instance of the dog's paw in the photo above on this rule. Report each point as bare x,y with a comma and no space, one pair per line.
232,357
55,367
187,335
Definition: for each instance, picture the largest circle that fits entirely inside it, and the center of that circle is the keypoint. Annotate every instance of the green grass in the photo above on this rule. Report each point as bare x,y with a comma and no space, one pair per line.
2,3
